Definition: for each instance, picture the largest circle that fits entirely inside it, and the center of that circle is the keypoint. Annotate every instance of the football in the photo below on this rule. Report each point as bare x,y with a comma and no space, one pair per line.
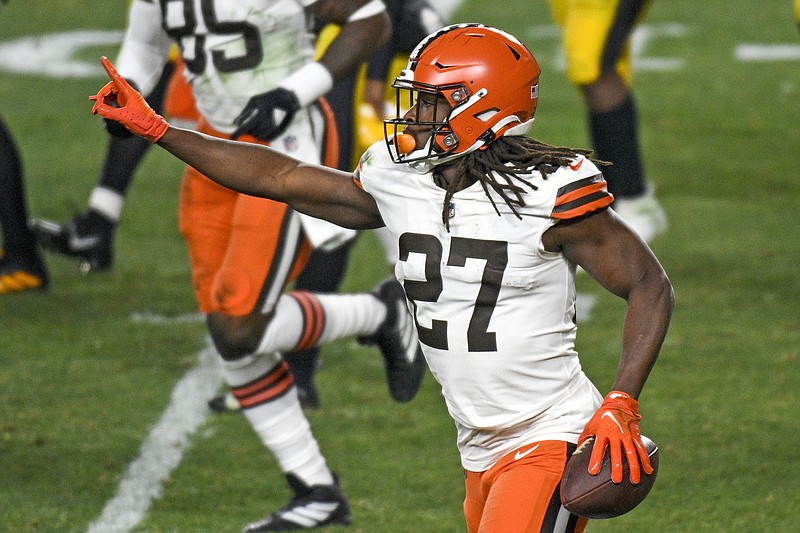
598,496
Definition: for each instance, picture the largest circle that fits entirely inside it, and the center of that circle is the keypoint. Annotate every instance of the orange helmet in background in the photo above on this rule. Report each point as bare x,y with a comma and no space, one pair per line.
489,78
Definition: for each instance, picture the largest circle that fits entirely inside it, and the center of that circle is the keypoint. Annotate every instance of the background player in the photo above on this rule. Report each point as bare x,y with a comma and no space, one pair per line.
490,226
21,266
358,102
89,236
596,40
253,78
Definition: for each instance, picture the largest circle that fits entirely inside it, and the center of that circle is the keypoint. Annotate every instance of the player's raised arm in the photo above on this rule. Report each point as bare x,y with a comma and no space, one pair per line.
248,168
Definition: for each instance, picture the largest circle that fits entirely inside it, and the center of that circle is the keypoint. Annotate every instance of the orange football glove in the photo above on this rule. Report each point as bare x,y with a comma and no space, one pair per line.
130,110
616,425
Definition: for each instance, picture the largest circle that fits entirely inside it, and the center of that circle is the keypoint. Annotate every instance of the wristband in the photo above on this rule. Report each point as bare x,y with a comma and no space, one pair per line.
309,82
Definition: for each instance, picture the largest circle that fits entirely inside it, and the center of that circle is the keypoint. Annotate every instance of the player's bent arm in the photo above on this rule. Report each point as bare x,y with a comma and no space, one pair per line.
365,27
258,170
145,47
622,263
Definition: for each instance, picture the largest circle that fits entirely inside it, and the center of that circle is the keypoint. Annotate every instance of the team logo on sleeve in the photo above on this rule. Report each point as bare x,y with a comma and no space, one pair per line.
290,143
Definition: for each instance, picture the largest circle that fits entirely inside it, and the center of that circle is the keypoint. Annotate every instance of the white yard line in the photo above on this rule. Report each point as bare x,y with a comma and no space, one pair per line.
163,449
147,317
767,52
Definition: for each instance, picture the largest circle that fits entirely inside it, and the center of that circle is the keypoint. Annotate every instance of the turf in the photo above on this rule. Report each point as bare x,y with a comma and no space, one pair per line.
83,381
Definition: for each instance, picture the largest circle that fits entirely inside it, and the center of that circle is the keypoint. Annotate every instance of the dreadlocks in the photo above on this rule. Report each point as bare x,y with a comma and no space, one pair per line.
503,162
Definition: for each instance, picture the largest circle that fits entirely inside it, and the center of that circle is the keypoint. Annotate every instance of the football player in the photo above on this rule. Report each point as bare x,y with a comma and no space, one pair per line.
89,236
797,12
253,77
357,101
596,38
490,225
21,266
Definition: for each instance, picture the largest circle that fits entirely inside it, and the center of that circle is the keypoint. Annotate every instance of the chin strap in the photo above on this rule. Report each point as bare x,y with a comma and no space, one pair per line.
520,129
427,164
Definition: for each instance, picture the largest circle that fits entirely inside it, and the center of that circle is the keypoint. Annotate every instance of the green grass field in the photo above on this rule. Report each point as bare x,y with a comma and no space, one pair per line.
84,378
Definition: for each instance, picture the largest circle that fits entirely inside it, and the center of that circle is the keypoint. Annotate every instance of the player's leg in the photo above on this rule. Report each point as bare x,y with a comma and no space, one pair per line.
252,322
89,236
261,380
323,273
21,266
326,268
797,12
520,494
597,38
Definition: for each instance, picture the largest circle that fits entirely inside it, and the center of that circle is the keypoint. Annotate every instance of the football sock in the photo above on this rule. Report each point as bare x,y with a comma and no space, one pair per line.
265,389
322,274
615,139
106,203
350,314
303,320
123,156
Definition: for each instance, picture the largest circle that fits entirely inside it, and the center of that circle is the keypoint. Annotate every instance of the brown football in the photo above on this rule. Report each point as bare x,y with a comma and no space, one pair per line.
598,496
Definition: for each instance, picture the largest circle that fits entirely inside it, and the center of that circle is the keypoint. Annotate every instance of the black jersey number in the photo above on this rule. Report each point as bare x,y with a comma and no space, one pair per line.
185,35
495,253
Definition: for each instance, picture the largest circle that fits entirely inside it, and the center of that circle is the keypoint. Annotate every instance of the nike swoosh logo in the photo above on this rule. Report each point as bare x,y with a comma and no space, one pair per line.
520,455
76,242
613,419
576,166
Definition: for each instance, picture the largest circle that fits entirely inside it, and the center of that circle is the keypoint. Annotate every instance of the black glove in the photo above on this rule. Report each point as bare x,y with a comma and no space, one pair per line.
267,115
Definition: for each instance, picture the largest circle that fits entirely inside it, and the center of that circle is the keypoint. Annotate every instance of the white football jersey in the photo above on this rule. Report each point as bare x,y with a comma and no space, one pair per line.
494,310
233,50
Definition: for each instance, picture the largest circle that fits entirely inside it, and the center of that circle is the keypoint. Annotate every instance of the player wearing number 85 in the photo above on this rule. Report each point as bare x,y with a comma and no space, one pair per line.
253,78
490,225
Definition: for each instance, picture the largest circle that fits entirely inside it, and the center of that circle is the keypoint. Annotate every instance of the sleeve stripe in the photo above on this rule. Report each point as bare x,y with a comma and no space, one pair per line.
571,196
586,204
581,197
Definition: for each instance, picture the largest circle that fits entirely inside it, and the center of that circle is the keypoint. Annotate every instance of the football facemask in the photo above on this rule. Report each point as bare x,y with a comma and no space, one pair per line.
489,79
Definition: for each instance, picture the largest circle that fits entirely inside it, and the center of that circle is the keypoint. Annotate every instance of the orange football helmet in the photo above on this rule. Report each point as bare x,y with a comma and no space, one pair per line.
489,78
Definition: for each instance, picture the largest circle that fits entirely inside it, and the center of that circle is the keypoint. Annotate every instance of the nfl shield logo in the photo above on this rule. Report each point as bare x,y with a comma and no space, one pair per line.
451,210
290,143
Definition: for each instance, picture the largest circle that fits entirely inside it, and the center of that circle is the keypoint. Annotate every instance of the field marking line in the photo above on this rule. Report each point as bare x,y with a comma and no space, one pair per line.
767,52
54,54
148,317
163,448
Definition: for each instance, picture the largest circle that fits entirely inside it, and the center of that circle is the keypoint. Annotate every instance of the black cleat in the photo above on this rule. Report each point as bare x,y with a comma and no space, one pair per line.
315,506
398,342
308,395
303,365
87,237
20,274
224,403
